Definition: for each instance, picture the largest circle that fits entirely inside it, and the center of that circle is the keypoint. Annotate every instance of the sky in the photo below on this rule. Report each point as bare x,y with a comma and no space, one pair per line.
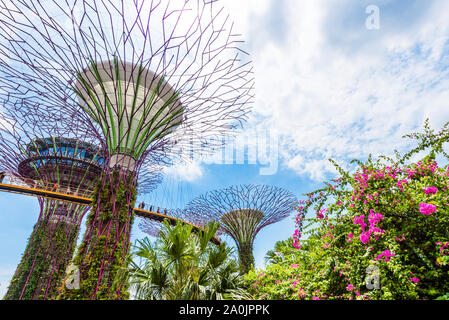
334,79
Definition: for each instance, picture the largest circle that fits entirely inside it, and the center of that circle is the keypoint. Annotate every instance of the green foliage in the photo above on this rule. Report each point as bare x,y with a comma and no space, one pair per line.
182,265
246,257
386,223
46,257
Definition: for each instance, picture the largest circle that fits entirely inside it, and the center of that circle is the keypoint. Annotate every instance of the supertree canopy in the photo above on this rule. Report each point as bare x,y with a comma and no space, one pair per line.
140,108
160,80
242,212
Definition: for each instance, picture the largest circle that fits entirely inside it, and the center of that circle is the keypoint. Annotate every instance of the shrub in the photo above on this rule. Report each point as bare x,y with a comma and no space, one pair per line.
380,232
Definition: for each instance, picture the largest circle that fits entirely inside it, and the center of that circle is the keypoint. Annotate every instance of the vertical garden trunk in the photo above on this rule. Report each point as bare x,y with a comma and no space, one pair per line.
246,257
103,252
47,255
242,225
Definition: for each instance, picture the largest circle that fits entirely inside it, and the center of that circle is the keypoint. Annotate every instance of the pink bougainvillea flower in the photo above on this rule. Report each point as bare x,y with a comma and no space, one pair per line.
296,238
374,218
364,237
414,280
431,190
360,221
386,255
350,237
350,287
427,209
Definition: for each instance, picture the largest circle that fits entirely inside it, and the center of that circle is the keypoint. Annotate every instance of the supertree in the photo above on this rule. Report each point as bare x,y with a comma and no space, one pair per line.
242,212
162,79
57,164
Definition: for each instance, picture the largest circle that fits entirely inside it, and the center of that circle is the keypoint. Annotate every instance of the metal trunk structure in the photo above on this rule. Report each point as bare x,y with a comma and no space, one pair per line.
241,225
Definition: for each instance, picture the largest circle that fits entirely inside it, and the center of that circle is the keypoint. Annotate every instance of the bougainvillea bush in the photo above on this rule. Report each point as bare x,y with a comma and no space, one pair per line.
379,232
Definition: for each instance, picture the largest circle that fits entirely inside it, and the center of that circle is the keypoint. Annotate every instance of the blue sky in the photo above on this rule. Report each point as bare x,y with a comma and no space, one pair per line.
326,86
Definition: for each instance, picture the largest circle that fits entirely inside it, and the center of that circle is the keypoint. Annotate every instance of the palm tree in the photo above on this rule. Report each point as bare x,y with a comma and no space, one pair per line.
182,265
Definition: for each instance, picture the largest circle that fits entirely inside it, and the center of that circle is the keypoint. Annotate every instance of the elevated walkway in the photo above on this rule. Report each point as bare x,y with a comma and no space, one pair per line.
30,188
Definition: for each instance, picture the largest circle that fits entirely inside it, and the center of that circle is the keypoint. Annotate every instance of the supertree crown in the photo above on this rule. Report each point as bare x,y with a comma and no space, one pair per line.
242,212
259,204
142,77
47,160
68,163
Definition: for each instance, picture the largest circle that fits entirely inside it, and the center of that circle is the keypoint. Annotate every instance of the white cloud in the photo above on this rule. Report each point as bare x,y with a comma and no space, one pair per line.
348,97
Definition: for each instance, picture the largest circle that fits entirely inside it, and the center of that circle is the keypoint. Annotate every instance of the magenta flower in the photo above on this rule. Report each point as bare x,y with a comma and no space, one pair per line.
431,190
427,209
414,280
364,237
360,221
374,218
350,237
386,255
350,287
